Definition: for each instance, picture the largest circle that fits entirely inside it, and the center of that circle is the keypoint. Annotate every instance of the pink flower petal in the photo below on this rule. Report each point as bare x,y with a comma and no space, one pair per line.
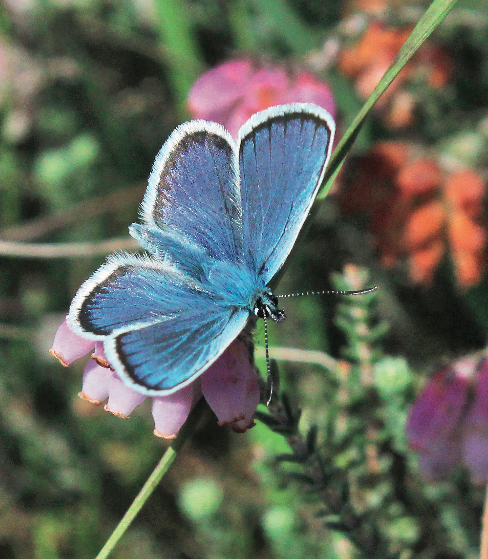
475,453
170,412
235,90
215,93
99,355
308,89
121,399
68,346
96,382
434,425
440,461
231,387
100,383
267,87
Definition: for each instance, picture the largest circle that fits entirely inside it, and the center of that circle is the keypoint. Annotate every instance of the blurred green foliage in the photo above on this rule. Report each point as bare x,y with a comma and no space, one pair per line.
91,92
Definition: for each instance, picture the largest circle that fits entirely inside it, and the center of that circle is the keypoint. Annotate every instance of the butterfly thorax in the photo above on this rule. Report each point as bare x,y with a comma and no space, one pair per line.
241,287
266,306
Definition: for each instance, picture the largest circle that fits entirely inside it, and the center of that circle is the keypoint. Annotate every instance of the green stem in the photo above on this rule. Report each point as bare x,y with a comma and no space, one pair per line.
242,28
162,467
433,16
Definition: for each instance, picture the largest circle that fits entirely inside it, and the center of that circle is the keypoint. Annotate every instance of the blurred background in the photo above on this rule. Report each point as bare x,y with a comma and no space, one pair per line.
89,91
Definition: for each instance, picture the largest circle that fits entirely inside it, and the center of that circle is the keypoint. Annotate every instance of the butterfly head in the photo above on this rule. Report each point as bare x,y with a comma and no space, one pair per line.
266,306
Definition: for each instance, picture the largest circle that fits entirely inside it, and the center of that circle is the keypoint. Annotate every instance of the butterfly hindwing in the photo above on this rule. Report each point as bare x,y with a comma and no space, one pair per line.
129,291
164,357
172,247
283,152
160,329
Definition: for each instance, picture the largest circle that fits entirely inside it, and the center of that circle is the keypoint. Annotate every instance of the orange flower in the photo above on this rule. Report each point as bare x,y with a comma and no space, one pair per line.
424,225
419,176
395,154
366,61
401,110
378,46
417,213
469,267
465,190
374,7
465,234
424,261
381,162
438,64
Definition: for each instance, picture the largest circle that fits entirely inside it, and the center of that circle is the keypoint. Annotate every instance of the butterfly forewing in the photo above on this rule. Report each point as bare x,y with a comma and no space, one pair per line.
283,153
192,189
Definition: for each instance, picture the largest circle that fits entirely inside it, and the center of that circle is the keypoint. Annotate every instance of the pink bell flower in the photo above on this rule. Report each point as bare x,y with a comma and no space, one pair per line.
231,389
230,385
233,91
68,346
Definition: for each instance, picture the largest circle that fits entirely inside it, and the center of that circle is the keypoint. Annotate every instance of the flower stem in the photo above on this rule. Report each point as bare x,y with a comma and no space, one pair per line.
162,467
178,39
65,250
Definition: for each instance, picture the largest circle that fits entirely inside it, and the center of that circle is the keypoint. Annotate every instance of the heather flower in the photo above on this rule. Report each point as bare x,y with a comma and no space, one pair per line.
475,429
232,92
417,209
230,385
448,424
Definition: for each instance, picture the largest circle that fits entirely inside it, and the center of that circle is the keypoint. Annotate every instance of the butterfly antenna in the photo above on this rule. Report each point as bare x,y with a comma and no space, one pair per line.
331,292
269,377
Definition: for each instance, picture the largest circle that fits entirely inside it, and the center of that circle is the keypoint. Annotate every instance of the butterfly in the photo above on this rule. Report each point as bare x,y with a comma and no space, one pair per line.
219,218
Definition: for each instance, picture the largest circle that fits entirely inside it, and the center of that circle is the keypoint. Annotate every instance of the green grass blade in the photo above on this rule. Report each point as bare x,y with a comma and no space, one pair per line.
185,434
436,12
177,37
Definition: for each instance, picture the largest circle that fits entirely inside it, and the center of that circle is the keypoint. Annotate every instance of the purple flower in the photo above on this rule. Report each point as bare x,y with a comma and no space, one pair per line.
230,385
475,429
448,424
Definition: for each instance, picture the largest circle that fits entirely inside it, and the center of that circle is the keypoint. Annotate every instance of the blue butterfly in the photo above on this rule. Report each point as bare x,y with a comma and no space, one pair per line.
219,219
